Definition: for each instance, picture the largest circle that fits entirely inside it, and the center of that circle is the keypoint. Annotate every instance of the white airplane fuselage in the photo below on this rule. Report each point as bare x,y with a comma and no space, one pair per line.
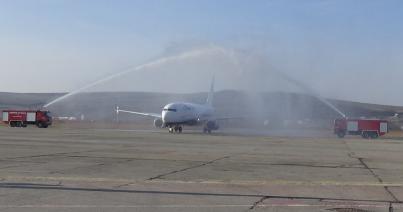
177,114
185,113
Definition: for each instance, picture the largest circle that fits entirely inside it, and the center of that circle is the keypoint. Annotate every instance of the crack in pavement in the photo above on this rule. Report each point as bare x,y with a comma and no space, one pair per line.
316,166
262,198
271,164
188,168
257,203
46,155
129,158
61,187
378,178
352,154
370,170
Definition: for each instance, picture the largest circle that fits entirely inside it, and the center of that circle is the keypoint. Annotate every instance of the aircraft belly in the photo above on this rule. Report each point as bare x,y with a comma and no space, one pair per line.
185,122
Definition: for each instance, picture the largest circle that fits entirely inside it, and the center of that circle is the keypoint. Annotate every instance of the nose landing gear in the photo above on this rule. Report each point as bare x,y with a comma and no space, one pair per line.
175,129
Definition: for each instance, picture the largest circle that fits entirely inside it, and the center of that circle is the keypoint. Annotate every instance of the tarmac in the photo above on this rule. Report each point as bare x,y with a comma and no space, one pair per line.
67,169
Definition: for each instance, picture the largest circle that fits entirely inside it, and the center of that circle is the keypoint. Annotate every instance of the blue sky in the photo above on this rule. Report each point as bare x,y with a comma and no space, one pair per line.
322,43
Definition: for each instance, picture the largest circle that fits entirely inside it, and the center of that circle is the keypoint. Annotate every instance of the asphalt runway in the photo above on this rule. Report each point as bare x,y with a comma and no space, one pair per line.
60,169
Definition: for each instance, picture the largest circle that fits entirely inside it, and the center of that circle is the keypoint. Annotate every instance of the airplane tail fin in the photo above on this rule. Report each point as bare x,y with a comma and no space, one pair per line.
210,96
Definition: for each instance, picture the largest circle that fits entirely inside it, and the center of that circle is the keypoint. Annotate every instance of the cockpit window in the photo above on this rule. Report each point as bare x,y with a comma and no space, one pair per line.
169,109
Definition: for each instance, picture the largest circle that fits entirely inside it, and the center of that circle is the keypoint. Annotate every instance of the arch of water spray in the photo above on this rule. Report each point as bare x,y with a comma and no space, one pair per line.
311,92
187,55
158,62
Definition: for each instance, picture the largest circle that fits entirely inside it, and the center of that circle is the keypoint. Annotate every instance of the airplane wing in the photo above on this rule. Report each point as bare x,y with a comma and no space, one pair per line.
155,115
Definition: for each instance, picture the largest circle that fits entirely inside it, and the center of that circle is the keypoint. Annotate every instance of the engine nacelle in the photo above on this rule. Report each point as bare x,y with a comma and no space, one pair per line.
158,123
212,125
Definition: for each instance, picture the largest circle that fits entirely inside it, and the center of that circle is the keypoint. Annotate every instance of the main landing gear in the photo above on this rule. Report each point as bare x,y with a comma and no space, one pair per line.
207,130
175,129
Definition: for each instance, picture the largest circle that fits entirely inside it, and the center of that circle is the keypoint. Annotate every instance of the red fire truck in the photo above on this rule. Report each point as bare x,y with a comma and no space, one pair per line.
367,128
21,118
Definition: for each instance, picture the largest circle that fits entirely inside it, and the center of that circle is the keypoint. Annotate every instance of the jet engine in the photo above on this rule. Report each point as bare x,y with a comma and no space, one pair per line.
158,123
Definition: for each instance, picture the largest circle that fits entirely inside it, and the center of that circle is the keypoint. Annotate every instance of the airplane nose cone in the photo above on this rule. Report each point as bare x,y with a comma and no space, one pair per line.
166,117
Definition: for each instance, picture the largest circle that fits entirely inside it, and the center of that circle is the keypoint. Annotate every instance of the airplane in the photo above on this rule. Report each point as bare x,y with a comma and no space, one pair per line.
178,114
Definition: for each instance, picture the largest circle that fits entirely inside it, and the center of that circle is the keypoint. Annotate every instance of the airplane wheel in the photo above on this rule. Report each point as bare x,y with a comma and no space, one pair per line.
180,129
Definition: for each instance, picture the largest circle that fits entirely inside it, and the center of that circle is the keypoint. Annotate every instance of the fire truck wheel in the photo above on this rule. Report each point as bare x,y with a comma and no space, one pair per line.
365,135
341,134
374,135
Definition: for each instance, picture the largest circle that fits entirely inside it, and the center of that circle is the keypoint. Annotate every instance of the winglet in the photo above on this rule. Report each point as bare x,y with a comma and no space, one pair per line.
211,93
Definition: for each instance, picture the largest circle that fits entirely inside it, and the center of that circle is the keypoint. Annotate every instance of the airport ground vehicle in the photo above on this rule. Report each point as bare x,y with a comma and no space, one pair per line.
21,118
367,128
